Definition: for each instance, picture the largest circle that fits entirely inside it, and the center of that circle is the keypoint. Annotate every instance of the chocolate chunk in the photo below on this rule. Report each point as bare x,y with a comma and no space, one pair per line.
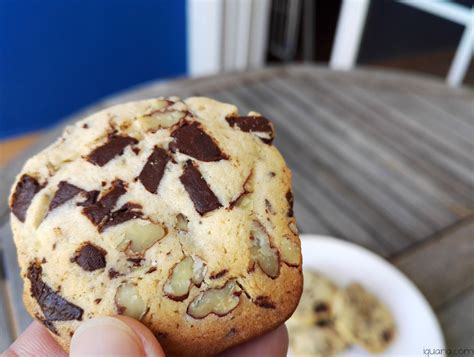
387,335
49,325
264,301
253,125
91,198
125,213
90,257
321,307
85,126
97,211
113,147
323,323
97,301
289,198
203,198
191,140
113,273
65,192
218,274
25,190
154,169
136,262
54,307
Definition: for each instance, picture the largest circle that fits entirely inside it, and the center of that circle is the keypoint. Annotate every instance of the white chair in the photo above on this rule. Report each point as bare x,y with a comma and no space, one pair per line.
352,20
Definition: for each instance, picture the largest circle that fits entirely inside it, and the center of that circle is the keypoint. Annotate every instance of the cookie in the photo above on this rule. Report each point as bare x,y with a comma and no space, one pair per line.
316,342
311,328
177,213
363,319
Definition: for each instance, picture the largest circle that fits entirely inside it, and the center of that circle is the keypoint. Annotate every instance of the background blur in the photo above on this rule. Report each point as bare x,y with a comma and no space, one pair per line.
58,56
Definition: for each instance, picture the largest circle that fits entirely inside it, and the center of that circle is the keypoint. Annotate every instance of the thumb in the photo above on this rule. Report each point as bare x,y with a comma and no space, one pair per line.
114,336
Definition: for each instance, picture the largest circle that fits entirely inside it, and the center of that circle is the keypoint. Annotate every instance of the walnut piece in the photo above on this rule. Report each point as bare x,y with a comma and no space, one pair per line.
129,302
289,251
185,272
181,223
262,252
160,119
215,301
293,227
41,209
139,235
245,202
199,270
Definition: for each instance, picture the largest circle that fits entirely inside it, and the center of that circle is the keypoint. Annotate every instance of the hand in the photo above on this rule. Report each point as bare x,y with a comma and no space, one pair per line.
123,336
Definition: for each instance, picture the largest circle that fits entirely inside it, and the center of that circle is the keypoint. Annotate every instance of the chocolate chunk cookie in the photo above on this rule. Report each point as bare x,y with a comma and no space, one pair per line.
312,329
363,319
177,213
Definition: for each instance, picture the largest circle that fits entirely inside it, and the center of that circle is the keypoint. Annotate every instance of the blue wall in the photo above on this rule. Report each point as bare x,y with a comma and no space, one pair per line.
57,56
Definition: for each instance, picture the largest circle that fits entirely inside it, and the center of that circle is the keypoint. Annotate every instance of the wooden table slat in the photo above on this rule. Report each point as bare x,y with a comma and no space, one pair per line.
377,115
457,321
360,114
351,144
434,142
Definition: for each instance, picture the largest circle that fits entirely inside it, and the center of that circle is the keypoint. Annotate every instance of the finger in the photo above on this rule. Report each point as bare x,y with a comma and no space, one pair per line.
35,341
273,343
114,336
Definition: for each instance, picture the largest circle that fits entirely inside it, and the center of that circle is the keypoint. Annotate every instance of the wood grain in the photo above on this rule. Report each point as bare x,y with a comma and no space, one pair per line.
448,256
13,147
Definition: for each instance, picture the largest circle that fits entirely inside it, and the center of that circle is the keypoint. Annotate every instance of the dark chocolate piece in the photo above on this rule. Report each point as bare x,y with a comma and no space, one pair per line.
191,140
25,190
387,335
64,193
253,124
136,262
49,325
90,257
264,301
97,211
323,323
321,307
54,307
203,198
91,198
154,169
97,301
113,147
125,213
289,198
113,273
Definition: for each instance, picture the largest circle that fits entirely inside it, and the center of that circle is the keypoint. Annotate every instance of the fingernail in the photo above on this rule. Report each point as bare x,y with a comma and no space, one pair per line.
105,336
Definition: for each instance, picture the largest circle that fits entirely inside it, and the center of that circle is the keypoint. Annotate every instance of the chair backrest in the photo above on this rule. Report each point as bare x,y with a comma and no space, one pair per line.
352,19
226,35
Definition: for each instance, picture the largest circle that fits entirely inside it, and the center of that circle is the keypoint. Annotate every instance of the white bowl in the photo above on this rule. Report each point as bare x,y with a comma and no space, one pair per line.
344,262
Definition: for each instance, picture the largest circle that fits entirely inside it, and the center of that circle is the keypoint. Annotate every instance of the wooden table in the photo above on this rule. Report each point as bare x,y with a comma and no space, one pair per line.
383,159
